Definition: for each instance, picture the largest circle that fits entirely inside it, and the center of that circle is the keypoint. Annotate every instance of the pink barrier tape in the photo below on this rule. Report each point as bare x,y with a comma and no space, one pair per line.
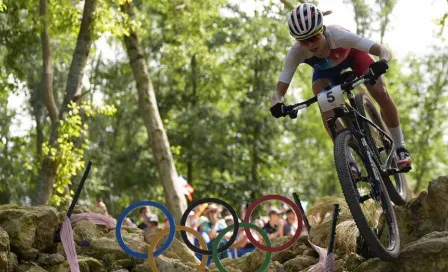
96,219
320,266
329,262
67,234
69,245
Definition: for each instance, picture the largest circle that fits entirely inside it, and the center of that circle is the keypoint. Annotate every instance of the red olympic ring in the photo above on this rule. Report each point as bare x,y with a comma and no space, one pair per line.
294,238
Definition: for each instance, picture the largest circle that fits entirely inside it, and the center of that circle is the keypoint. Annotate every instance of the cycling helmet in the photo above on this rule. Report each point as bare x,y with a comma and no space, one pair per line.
304,21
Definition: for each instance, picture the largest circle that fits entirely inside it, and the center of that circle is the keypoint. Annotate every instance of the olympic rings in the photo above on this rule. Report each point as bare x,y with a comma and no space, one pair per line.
246,226
207,200
296,236
156,239
215,250
120,220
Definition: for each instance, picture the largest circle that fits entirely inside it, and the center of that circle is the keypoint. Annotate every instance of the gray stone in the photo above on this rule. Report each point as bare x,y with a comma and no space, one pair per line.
4,250
30,229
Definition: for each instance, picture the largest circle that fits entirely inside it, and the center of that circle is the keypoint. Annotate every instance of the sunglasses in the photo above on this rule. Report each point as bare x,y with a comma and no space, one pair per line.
314,38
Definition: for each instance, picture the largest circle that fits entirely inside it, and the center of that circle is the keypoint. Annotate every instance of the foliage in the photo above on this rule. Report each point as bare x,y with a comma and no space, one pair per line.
68,153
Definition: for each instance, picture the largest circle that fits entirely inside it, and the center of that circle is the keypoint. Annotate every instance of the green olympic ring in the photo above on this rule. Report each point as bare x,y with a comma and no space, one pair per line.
263,266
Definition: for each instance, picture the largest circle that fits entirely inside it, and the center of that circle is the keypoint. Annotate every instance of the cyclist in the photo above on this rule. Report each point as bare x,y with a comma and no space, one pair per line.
330,50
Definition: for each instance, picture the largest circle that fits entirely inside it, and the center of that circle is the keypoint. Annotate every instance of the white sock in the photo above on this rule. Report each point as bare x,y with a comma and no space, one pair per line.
397,137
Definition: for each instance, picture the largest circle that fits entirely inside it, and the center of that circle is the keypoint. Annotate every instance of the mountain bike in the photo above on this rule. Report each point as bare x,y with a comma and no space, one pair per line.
365,160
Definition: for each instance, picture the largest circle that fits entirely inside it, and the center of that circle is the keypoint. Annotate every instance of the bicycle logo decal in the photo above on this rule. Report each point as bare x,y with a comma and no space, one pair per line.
215,250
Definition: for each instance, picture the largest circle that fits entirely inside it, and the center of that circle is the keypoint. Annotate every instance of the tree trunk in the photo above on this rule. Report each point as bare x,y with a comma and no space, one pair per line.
191,136
73,89
80,56
158,140
5,193
44,187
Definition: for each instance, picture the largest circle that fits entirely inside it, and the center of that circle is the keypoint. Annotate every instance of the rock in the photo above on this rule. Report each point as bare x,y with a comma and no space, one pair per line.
299,263
84,231
295,250
172,265
50,259
30,229
438,201
86,264
27,267
352,261
128,263
311,253
141,267
339,266
4,250
104,245
429,253
178,250
13,262
424,214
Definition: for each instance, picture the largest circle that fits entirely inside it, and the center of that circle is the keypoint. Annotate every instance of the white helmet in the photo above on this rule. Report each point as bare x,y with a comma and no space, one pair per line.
304,21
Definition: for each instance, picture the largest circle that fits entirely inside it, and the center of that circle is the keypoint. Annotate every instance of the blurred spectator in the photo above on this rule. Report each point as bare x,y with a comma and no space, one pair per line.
144,213
128,223
213,227
100,207
274,227
291,225
152,222
242,244
166,223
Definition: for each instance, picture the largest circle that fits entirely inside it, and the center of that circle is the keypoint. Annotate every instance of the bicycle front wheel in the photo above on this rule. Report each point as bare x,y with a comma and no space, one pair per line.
396,186
374,216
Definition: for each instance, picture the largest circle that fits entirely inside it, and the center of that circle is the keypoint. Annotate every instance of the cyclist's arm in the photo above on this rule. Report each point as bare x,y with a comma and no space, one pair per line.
293,59
381,52
346,39
282,87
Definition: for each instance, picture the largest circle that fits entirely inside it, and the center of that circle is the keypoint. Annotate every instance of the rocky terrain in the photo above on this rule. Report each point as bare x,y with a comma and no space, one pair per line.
27,242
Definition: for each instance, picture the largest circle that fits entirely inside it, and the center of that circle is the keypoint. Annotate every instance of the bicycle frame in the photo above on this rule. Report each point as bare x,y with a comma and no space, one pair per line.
356,120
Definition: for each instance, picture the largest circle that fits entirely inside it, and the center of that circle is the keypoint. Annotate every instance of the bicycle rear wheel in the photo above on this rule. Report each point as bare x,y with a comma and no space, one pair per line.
371,216
397,188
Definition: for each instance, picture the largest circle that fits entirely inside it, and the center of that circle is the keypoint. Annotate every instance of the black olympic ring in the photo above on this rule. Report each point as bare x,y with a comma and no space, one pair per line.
207,200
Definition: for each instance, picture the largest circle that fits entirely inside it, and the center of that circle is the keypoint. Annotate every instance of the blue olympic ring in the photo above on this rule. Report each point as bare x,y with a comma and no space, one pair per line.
120,220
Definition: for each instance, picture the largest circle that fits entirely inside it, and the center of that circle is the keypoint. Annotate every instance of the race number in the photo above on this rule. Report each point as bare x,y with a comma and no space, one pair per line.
331,99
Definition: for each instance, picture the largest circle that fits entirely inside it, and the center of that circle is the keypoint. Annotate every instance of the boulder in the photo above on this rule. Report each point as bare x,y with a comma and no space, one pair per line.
426,213
429,253
13,262
29,267
50,259
30,229
98,247
4,250
178,250
86,264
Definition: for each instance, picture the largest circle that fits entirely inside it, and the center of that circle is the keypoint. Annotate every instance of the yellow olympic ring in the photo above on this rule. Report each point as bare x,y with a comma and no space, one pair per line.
159,236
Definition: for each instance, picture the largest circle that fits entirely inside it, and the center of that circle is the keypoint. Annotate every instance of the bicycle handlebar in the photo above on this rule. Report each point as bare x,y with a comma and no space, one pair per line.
291,110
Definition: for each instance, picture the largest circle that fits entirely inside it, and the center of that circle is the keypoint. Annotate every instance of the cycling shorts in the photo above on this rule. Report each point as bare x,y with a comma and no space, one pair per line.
358,61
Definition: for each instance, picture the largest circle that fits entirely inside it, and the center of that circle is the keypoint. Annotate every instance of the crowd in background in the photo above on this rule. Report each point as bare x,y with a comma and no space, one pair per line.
210,219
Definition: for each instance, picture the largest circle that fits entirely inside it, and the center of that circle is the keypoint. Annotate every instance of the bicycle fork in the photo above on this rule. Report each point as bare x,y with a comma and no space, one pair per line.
374,177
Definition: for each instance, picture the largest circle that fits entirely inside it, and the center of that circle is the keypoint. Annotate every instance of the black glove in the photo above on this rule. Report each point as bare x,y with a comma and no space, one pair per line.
278,110
378,68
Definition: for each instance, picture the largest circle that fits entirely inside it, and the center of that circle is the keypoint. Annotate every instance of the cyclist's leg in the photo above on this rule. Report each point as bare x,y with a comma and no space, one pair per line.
389,112
321,79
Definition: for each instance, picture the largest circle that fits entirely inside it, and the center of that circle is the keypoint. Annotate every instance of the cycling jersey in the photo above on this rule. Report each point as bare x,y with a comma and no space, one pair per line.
343,44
